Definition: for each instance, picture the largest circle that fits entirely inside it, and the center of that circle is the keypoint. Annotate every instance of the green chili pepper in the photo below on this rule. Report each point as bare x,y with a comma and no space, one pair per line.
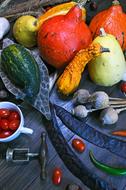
106,168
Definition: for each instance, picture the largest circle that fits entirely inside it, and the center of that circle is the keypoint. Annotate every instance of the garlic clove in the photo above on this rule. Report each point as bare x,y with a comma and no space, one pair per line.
4,27
80,111
109,116
99,99
81,96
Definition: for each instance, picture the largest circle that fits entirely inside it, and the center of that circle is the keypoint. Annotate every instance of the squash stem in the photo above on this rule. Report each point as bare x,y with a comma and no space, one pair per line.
115,2
104,50
102,32
81,3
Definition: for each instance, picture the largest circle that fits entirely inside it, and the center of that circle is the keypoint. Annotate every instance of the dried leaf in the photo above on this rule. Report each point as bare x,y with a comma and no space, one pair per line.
14,7
50,2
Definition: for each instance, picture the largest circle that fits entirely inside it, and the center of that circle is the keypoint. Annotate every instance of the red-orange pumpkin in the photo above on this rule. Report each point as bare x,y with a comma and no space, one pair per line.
62,36
113,20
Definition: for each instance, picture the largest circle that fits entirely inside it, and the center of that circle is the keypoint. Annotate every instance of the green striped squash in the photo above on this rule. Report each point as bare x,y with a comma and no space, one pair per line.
21,68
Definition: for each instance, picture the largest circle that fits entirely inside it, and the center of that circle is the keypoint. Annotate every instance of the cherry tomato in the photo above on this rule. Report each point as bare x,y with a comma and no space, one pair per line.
57,176
5,134
123,87
14,124
78,145
4,124
14,116
4,113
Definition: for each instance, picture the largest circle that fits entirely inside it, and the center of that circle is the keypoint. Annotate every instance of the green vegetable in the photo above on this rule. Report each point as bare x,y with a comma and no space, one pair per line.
106,168
108,68
21,68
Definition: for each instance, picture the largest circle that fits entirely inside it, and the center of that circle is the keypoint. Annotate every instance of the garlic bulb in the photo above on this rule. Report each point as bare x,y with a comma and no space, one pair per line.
4,27
109,116
80,111
99,99
81,96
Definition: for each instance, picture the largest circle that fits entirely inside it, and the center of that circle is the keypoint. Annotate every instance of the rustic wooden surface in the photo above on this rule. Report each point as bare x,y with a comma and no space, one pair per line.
26,176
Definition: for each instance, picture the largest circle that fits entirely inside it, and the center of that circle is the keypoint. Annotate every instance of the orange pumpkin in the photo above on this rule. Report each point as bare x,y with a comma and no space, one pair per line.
62,36
113,20
60,9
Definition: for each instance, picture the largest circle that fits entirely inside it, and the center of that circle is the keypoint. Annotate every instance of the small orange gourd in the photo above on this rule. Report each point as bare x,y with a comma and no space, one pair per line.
70,79
113,20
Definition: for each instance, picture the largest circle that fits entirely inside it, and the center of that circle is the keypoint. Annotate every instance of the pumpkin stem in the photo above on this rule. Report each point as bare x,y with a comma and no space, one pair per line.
115,2
81,3
102,32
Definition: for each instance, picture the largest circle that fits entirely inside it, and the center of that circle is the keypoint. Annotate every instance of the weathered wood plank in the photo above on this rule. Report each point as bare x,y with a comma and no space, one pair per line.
68,178
105,157
33,119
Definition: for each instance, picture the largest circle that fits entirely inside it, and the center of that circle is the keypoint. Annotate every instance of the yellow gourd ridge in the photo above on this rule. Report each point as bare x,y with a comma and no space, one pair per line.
70,79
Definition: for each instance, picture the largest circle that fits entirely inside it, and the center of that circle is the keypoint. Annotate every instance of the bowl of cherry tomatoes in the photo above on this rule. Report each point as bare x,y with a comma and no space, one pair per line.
11,122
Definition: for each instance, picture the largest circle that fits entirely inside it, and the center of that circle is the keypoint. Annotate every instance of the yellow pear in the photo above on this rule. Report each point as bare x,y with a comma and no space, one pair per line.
25,31
108,68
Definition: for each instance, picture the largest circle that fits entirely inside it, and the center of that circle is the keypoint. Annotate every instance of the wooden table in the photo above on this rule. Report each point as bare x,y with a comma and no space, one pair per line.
27,176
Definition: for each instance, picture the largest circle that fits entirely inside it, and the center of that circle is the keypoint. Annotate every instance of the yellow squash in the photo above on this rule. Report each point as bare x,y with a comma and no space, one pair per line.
109,68
70,79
